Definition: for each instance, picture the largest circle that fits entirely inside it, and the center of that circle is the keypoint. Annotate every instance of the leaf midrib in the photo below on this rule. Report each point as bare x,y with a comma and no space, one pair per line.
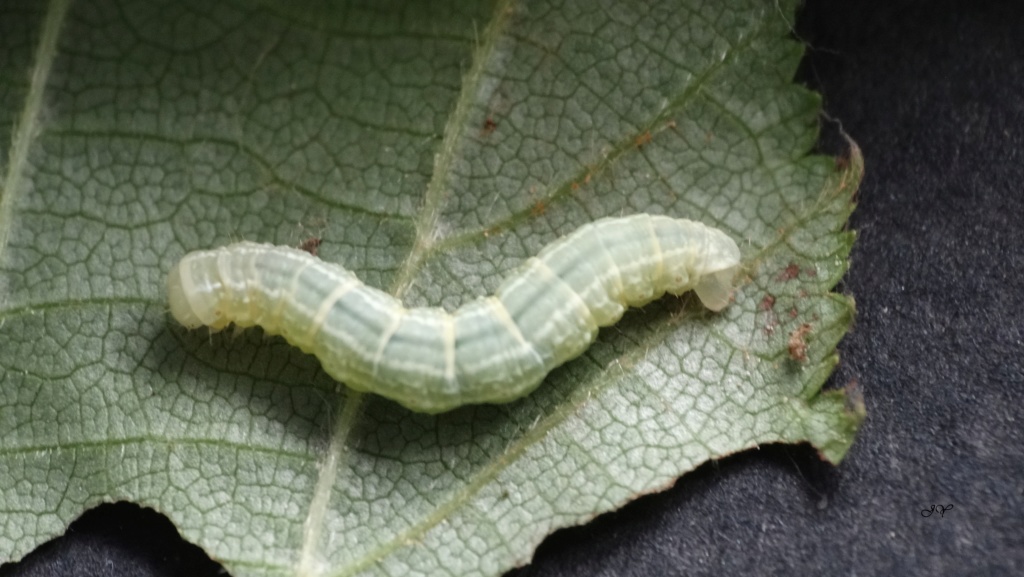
451,145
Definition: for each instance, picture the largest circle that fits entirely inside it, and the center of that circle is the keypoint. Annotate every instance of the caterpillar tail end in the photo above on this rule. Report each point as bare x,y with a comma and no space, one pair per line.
193,312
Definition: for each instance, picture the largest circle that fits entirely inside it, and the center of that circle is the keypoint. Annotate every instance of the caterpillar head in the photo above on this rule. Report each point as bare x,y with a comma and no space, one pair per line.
721,262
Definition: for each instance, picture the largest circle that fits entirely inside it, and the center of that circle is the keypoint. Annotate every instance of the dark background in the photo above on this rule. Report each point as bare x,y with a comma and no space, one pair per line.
933,92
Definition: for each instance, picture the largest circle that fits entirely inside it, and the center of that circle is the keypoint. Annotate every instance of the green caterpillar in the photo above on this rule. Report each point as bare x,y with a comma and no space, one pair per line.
492,350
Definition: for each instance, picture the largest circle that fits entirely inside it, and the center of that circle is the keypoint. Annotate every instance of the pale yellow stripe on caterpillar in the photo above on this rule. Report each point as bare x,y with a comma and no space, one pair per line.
614,272
237,304
659,255
575,308
581,307
448,333
318,319
274,318
257,300
506,321
631,278
385,338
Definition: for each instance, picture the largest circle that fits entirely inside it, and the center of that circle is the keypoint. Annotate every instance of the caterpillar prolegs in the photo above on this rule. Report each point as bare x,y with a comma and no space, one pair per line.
491,350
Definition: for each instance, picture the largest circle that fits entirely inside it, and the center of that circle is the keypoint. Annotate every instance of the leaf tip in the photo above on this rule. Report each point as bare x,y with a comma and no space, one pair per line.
839,415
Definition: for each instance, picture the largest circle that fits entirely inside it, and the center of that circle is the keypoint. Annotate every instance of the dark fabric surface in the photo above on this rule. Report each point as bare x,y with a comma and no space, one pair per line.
933,92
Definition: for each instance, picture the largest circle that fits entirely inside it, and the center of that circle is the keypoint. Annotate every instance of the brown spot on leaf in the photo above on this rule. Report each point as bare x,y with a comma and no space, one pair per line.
538,208
798,344
489,126
311,245
789,273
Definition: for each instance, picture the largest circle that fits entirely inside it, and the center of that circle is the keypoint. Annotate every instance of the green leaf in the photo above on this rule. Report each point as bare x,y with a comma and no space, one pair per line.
433,148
